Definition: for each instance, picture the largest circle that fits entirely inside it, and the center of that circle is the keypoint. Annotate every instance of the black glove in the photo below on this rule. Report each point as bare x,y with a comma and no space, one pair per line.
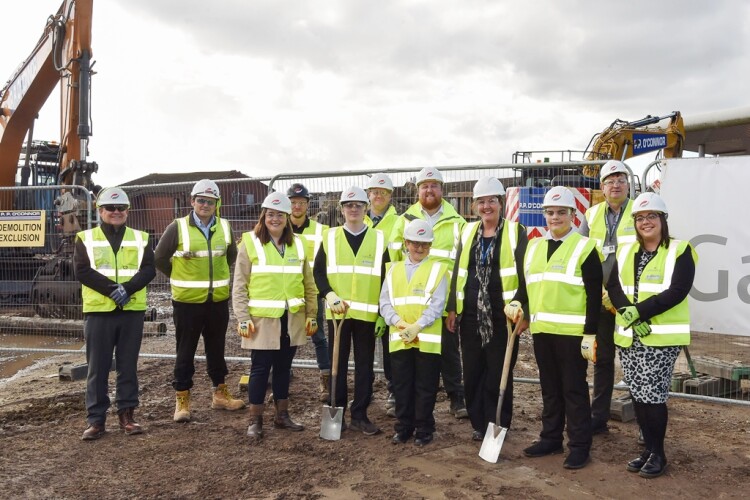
119,295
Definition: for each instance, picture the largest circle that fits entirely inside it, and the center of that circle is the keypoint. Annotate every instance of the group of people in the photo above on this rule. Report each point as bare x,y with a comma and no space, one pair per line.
425,282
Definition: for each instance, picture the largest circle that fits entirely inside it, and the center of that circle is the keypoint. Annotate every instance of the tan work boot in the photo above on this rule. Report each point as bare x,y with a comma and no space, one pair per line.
255,429
222,400
325,385
182,406
283,420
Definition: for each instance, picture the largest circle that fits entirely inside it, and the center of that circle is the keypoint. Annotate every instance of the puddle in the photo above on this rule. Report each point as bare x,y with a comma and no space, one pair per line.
13,362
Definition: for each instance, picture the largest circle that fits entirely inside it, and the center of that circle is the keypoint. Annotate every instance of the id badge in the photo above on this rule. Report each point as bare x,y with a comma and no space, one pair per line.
608,249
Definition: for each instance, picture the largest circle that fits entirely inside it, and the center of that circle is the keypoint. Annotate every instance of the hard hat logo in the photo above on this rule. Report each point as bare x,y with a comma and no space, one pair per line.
298,189
556,197
381,181
114,196
644,203
421,232
276,201
350,195
428,174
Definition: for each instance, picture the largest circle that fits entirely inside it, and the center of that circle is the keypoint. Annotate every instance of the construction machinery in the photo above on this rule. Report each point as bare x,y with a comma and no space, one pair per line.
61,56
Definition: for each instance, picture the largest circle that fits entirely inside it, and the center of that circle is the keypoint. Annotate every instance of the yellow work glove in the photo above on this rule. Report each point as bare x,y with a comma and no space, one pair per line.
514,311
409,334
380,327
607,303
629,314
337,305
245,328
311,326
588,347
642,329
401,324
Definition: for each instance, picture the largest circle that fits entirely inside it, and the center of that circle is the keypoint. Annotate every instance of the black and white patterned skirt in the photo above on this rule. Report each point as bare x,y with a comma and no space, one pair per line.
648,370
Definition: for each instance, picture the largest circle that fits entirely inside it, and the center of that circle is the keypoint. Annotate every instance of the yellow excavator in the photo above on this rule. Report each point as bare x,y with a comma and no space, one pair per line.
623,140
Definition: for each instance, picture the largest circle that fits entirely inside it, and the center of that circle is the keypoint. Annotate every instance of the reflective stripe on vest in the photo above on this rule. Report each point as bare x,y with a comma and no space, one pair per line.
120,267
557,297
411,298
196,266
355,278
596,218
275,283
508,270
672,327
313,235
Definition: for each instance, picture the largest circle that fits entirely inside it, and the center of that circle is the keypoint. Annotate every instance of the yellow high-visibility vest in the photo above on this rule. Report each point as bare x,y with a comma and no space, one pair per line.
275,282
120,267
596,217
670,328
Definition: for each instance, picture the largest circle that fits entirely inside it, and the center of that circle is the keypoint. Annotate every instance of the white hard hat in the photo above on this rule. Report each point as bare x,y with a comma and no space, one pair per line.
649,202
613,167
278,201
559,196
429,174
381,181
354,193
207,188
488,186
418,230
112,196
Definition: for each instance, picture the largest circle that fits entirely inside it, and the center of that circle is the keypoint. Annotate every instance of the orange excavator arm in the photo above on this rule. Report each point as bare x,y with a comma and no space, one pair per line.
63,54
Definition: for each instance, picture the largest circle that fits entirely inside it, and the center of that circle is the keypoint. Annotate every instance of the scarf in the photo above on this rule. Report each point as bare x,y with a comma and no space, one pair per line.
483,256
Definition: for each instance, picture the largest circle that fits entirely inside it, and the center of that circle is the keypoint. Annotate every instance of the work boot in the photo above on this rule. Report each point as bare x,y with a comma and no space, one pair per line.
325,385
390,401
222,400
283,420
255,429
458,406
93,432
127,423
182,406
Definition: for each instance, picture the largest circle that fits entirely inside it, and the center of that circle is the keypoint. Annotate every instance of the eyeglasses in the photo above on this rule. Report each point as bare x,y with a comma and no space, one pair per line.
560,213
204,201
354,206
301,203
615,182
643,218
275,215
419,244
490,201
115,208
379,192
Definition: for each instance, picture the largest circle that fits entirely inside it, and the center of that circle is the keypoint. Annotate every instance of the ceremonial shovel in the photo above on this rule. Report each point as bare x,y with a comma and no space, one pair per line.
332,417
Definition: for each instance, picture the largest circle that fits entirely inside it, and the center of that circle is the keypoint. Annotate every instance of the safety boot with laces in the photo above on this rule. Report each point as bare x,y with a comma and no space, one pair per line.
182,406
222,400
325,384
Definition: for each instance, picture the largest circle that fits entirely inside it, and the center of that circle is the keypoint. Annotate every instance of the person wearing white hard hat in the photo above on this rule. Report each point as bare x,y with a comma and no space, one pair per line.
412,301
382,215
486,278
114,263
196,253
312,233
563,274
446,224
649,286
348,272
609,224
275,301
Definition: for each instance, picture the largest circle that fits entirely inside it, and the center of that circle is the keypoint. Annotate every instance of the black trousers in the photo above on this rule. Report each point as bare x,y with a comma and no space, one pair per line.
360,335
416,378
604,368
565,392
451,362
263,360
120,333
387,370
209,319
483,368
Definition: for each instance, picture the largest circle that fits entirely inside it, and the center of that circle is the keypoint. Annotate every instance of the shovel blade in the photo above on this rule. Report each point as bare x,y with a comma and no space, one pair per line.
330,423
492,443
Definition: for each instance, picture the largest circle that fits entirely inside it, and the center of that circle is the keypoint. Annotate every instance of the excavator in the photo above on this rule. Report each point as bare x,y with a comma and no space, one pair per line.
61,56
623,140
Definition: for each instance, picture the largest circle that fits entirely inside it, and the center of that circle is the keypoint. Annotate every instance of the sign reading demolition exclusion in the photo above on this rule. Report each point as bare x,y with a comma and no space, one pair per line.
22,228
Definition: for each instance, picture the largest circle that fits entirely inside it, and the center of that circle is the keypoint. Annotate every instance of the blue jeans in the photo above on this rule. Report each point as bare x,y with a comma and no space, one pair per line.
320,341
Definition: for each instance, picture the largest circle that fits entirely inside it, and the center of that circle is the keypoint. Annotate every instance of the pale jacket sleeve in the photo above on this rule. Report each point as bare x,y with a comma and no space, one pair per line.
386,308
242,269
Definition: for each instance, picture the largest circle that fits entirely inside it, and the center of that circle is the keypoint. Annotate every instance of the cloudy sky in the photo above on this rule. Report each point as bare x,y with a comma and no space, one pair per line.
269,86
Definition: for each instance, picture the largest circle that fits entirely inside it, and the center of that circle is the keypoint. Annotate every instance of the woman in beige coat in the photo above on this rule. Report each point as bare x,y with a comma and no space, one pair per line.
274,299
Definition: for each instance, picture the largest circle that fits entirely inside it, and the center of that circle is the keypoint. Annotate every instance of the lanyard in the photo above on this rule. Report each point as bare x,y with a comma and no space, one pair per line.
485,252
611,230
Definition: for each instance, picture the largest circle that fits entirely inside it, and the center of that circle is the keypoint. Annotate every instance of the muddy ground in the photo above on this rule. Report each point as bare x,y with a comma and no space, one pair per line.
42,456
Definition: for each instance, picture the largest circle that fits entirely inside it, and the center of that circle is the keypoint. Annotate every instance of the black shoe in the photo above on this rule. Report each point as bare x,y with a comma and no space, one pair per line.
477,436
400,438
424,440
365,426
543,448
637,464
577,459
599,427
655,466
458,406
